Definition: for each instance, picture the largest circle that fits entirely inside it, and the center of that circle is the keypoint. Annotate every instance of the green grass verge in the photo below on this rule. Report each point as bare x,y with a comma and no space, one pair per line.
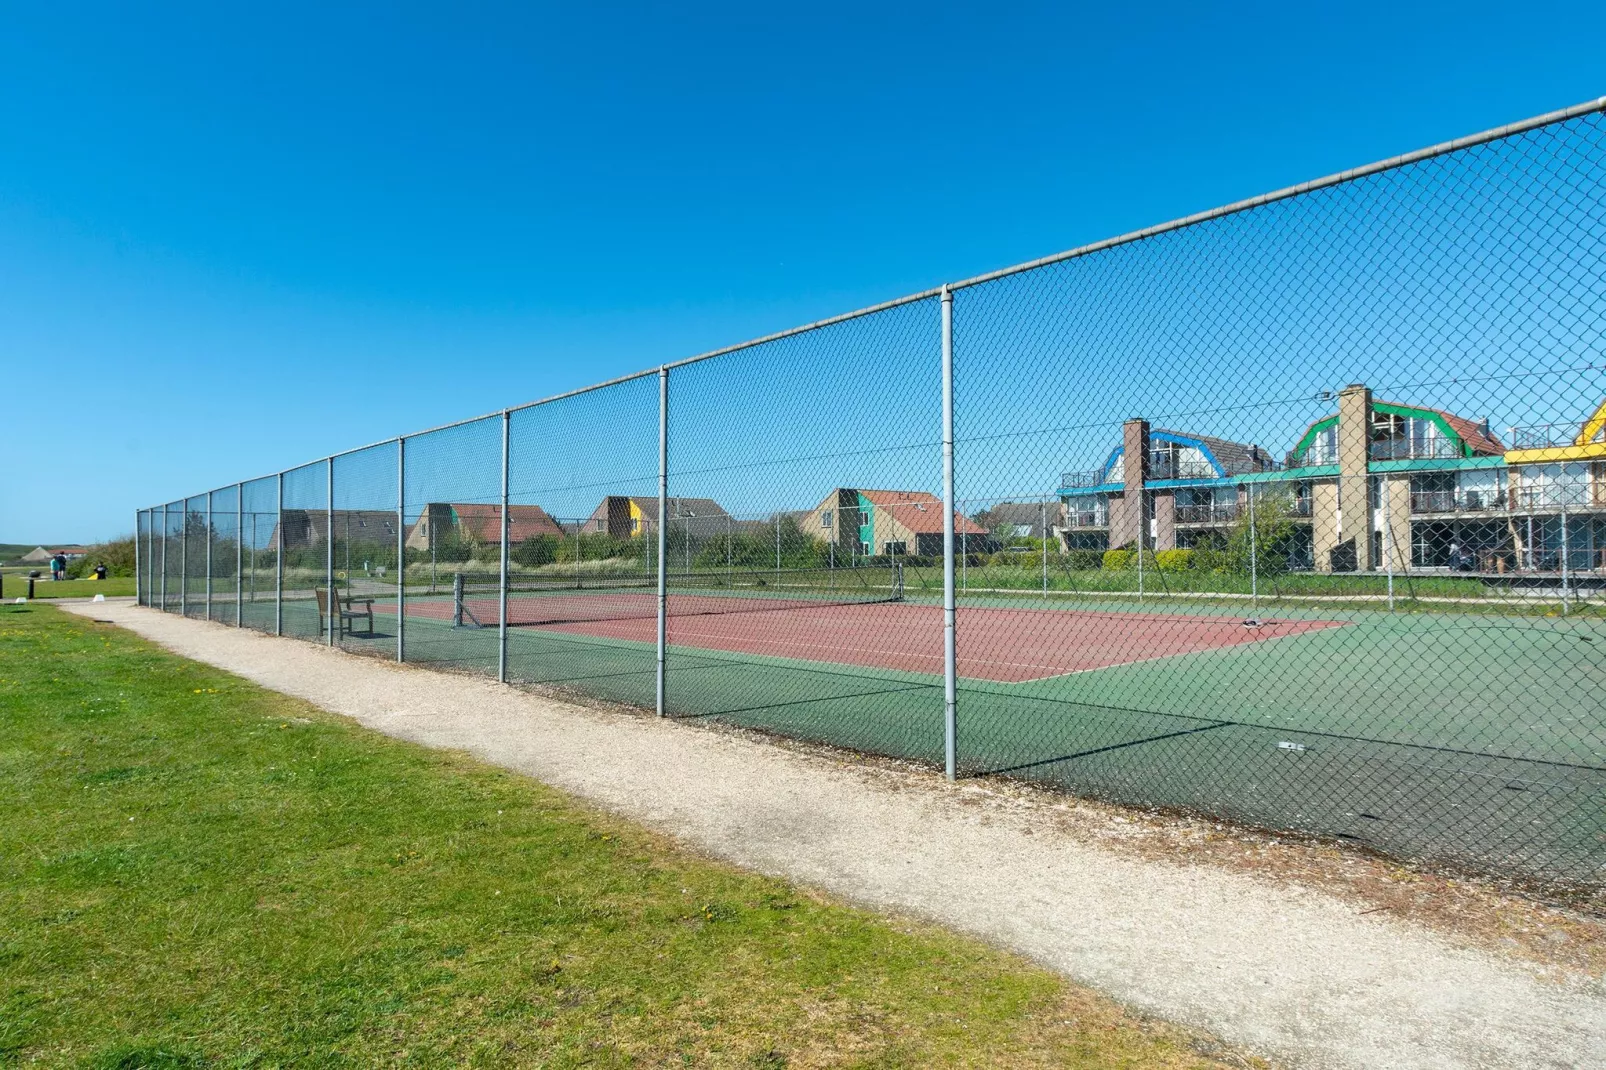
197,872
15,586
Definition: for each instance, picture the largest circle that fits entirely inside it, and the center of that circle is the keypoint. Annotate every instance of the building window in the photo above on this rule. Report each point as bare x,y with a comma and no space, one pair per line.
1324,447
825,518
896,548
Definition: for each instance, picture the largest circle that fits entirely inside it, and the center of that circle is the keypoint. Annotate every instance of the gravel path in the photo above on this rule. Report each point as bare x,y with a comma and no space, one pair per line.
1293,974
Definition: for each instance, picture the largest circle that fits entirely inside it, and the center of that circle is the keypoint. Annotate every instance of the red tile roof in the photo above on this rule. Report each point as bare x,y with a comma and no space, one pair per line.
1471,432
484,522
920,511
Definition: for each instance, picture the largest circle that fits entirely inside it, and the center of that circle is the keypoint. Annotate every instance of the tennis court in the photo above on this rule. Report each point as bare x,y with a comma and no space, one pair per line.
1350,723
998,645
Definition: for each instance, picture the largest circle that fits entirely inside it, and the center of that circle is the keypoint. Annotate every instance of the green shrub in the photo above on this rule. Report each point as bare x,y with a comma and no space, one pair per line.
1119,560
117,555
1173,560
1209,559
1084,560
536,551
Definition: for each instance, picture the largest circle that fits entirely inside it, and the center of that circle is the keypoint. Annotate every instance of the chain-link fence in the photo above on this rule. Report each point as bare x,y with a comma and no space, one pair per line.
1292,513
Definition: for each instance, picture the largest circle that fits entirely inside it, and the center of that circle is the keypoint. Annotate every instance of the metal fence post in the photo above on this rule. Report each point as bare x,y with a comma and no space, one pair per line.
184,559
239,554
139,578
950,724
208,555
501,636
663,541
165,536
329,552
401,549
278,561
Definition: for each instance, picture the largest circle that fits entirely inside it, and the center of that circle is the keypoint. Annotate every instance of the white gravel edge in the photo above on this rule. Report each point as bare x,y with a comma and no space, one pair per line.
1292,974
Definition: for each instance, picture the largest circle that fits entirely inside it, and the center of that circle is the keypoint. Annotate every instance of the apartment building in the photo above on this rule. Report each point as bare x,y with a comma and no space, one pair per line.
1193,490
1374,484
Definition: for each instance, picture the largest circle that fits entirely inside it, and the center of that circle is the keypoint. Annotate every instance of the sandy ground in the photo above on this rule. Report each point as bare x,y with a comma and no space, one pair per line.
1288,971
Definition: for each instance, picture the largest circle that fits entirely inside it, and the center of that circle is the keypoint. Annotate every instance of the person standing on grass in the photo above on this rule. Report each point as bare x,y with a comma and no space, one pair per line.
58,567
100,570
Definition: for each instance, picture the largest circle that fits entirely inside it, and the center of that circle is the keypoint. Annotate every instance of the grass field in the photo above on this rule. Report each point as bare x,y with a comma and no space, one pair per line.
16,586
199,873
1473,740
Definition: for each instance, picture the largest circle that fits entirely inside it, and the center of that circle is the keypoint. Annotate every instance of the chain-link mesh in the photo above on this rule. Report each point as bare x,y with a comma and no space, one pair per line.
453,510
302,535
803,474
172,578
142,553
583,488
222,605
1294,515
193,557
1303,576
259,524
366,522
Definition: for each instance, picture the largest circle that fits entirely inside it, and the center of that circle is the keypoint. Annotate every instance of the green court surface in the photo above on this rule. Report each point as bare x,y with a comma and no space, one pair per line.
1475,740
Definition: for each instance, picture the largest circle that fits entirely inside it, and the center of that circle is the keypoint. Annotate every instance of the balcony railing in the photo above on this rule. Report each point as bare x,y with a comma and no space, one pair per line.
1087,518
1166,466
1309,459
1219,513
1450,501
1090,478
1572,495
1403,449
1542,436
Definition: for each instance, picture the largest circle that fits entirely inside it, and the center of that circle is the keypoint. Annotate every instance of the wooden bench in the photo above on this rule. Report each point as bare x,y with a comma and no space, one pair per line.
347,610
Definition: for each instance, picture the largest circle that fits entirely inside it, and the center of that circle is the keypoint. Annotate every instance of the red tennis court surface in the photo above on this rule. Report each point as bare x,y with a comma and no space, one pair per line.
1001,645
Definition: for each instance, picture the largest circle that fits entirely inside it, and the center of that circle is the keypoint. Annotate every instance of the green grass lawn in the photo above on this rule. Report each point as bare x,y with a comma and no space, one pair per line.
197,872
16,586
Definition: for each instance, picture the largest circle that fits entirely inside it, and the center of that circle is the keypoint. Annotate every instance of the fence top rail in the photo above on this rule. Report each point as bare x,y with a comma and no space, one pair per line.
1338,178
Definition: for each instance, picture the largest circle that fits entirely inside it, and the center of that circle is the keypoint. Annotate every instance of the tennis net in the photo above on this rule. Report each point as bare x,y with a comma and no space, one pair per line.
537,601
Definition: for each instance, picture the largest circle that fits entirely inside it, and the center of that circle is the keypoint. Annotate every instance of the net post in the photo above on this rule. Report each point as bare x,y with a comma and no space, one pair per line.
1254,562
1143,534
501,628
329,550
663,540
278,561
208,555
239,555
1564,550
401,549
1388,535
950,726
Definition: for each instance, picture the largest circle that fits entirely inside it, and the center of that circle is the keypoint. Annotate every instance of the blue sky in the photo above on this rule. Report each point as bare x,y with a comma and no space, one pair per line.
232,240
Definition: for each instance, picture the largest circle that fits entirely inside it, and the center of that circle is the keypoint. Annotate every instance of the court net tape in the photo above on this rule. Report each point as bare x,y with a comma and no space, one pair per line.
534,603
